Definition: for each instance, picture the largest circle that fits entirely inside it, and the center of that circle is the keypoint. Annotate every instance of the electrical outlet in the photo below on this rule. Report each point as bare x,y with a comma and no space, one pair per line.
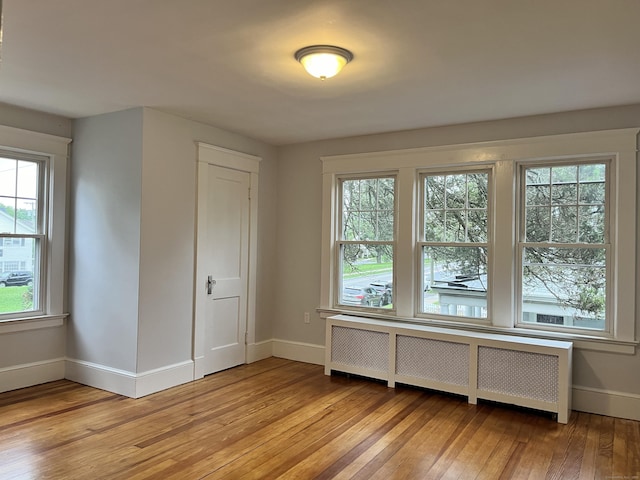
306,317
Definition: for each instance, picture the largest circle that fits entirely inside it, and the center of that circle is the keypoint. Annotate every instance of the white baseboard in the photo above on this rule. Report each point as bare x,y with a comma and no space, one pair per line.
29,374
606,402
162,378
128,383
102,377
301,352
259,351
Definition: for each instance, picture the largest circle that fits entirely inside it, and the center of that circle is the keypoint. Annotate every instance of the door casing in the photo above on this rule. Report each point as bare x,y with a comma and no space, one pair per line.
222,157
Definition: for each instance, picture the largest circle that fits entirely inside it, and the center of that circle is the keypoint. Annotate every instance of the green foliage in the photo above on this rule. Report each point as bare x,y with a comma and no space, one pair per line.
16,299
563,204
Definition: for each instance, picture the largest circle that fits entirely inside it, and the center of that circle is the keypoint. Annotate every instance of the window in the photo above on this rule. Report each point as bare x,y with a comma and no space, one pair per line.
22,232
535,236
455,241
33,181
564,244
366,241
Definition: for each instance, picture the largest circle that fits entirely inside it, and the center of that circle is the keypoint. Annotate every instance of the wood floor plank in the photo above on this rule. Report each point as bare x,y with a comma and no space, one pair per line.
283,419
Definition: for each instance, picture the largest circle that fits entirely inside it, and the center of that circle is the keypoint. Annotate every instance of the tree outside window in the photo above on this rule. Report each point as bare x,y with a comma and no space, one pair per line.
564,245
455,244
366,241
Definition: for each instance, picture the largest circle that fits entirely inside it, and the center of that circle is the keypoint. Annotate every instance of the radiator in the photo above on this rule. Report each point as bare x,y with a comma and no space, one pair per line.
522,371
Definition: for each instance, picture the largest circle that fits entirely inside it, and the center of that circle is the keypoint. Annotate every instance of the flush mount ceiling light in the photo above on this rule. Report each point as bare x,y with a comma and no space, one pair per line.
323,61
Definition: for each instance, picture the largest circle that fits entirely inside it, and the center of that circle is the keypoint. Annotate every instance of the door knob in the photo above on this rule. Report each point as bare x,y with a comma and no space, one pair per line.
210,283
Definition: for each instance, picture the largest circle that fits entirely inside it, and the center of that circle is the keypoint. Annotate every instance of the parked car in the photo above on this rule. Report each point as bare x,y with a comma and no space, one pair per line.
385,289
361,296
16,279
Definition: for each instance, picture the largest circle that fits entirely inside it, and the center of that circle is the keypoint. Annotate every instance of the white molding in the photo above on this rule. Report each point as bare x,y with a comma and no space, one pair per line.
159,379
222,157
32,323
259,351
298,351
29,374
606,402
18,139
570,144
130,384
102,377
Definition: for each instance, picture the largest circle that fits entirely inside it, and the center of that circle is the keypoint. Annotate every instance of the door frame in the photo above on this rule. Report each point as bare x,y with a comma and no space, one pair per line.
222,157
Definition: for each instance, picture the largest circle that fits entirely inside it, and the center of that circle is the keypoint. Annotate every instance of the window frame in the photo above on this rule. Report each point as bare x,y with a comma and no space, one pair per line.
503,156
421,243
608,245
40,237
55,149
339,242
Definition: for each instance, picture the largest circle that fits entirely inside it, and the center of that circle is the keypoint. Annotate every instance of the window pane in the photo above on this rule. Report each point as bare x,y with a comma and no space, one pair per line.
577,197
18,208
591,224
477,226
564,194
592,172
538,224
564,224
19,280
368,209
434,192
455,281
538,176
564,283
478,193
464,216
8,177
564,174
434,226
367,275
538,195
455,226
27,181
592,193
456,192
7,215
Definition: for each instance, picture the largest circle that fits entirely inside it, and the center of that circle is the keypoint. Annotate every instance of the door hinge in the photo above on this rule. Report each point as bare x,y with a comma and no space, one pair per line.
249,193
246,338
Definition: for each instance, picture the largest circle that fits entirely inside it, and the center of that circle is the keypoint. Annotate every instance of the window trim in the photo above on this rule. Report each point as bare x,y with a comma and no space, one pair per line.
621,145
56,149
421,243
338,242
608,245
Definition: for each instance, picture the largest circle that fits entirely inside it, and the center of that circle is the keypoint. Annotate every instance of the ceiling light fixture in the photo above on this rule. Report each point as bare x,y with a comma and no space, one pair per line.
323,61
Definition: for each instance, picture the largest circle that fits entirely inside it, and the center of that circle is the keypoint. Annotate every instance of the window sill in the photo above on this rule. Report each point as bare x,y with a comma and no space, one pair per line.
31,323
582,342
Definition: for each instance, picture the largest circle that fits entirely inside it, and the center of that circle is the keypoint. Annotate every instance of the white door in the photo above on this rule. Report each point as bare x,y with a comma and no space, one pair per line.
222,266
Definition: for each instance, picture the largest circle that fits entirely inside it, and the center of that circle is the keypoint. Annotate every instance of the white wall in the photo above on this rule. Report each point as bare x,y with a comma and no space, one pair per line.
168,235
104,243
299,226
132,247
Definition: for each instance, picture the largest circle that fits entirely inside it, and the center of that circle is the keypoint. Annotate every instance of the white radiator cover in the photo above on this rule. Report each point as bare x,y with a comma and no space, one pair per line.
521,371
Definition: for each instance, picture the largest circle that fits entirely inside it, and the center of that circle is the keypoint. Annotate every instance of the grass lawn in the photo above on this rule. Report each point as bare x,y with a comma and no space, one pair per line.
12,299
366,268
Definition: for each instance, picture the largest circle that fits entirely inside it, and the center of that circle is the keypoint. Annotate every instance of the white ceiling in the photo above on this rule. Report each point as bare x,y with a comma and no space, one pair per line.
229,63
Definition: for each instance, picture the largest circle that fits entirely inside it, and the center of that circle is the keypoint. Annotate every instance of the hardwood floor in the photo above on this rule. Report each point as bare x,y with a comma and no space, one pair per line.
282,419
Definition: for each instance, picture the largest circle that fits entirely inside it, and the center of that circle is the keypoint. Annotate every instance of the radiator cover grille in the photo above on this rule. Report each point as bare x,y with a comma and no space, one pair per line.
501,371
437,360
360,348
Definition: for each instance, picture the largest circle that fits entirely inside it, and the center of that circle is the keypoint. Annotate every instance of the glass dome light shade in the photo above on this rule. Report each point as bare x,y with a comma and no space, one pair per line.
323,61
